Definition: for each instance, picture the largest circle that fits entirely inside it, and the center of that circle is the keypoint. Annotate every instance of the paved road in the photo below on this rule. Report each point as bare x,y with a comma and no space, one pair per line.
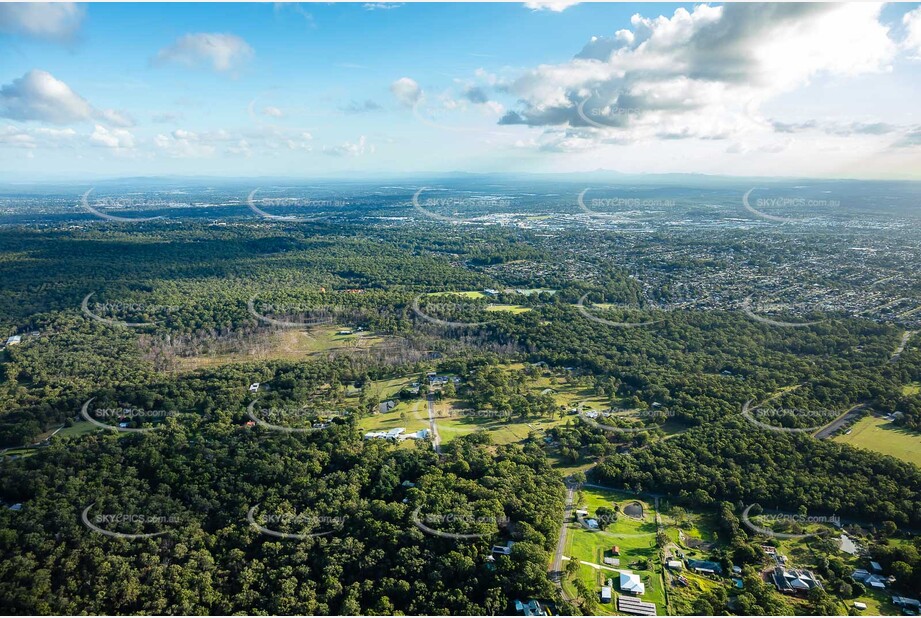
898,351
830,429
556,571
436,439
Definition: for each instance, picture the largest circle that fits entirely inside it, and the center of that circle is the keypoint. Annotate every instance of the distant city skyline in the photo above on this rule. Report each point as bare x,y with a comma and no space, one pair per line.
307,90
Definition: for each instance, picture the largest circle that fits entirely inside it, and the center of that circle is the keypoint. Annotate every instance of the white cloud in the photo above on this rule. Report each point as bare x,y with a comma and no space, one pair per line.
274,112
912,23
557,6
348,149
221,52
703,73
183,144
115,139
38,95
57,21
407,91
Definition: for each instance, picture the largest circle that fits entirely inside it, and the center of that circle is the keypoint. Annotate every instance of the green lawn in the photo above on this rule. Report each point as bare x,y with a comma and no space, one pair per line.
882,436
470,294
911,389
415,418
455,419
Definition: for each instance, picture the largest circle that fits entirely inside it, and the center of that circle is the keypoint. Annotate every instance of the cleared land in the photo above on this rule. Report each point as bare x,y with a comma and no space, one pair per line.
877,434
292,344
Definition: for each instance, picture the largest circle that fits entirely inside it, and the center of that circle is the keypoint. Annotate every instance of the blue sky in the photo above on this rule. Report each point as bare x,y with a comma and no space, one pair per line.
314,89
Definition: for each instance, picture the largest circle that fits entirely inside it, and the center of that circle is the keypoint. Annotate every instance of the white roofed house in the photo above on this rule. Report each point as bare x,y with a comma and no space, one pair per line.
630,583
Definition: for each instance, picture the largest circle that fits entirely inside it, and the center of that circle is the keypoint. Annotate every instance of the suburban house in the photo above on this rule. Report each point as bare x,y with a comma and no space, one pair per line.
14,340
705,566
503,550
675,565
630,583
608,560
794,581
531,608
390,434
906,603
386,406
606,594
871,580
254,387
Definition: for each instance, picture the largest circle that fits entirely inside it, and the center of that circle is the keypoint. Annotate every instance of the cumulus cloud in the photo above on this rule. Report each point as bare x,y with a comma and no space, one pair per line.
220,52
40,96
406,91
114,139
348,149
912,23
183,144
56,21
557,6
702,73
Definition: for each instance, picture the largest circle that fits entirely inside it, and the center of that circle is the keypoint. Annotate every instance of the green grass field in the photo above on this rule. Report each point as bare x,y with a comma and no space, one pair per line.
911,389
882,436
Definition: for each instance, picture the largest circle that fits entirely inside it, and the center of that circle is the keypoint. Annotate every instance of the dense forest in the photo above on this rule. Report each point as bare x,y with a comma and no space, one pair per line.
210,560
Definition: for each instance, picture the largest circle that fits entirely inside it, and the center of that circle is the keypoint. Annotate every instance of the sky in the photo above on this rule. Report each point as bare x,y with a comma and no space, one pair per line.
314,90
